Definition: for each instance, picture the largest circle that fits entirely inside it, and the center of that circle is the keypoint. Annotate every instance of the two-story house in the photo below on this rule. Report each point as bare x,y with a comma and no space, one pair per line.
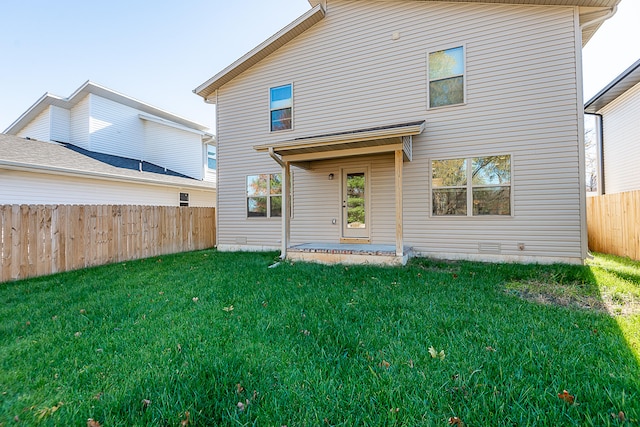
108,135
365,131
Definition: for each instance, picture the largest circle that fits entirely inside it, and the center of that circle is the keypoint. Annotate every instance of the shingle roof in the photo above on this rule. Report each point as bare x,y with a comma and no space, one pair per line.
51,157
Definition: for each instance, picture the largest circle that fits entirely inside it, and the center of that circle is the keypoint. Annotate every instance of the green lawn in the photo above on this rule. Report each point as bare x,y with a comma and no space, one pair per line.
233,342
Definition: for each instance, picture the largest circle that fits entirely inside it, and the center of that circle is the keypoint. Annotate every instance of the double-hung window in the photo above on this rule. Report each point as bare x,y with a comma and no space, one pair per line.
471,186
212,161
264,195
281,107
446,77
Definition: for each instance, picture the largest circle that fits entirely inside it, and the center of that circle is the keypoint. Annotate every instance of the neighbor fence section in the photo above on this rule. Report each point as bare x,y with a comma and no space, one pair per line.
613,224
36,239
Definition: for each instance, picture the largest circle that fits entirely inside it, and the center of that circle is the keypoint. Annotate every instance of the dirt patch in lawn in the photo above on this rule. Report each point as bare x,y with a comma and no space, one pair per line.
575,295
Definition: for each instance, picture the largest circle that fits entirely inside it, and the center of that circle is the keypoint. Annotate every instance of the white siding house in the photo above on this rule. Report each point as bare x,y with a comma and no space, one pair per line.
450,129
101,120
36,172
617,108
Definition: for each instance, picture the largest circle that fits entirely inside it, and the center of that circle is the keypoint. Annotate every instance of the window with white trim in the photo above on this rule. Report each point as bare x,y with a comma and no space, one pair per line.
264,195
474,186
446,77
281,107
212,158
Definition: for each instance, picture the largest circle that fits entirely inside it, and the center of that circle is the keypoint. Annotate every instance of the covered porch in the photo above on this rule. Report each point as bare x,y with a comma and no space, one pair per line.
349,246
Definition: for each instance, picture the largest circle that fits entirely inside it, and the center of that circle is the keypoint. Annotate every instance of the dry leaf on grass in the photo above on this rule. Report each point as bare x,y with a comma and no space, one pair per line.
185,422
455,421
566,397
92,423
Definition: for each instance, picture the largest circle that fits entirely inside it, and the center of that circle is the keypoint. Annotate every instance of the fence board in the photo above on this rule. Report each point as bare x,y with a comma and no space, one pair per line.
37,240
613,224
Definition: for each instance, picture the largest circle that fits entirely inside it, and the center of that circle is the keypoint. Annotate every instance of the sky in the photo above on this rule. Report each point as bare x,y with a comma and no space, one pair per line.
158,52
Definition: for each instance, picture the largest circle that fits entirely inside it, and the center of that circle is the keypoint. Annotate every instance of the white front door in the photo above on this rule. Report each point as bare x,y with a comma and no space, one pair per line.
355,212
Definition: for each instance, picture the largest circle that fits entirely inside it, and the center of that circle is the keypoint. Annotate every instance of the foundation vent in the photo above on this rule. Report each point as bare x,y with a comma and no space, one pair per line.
489,248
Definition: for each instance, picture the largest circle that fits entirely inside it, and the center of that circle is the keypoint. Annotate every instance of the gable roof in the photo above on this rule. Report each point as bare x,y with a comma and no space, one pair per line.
264,49
65,159
90,87
625,81
592,14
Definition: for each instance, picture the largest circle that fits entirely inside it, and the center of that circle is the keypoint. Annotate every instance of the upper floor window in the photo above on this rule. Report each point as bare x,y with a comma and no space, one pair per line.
471,187
281,107
446,77
212,160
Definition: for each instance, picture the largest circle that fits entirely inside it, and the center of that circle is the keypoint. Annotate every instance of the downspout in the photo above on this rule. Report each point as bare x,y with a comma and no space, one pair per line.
600,151
285,202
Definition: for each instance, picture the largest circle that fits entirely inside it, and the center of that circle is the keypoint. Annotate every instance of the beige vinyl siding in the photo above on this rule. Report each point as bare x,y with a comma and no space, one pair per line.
622,142
317,200
79,128
115,129
60,124
39,128
20,187
174,149
348,73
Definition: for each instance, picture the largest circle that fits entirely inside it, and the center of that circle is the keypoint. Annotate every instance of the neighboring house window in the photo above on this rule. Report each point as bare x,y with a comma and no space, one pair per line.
211,156
264,195
184,199
471,187
281,107
446,77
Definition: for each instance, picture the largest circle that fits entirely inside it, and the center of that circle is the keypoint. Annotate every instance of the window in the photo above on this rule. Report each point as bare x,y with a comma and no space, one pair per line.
184,199
212,160
471,187
264,195
446,77
281,105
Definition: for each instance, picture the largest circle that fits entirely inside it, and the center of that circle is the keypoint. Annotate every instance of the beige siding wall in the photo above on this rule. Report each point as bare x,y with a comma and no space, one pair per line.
348,73
39,128
36,188
622,142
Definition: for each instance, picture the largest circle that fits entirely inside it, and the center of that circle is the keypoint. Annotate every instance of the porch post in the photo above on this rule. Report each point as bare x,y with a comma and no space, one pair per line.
398,178
286,207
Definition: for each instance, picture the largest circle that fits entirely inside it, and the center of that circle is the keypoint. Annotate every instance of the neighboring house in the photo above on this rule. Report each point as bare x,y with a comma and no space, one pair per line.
36,172
617,109
449,129
101,120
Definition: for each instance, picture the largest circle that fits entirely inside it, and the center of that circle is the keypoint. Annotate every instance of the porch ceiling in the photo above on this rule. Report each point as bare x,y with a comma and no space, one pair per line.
350,143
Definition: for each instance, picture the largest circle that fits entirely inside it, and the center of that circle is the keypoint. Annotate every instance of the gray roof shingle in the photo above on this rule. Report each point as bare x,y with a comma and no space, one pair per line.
16,152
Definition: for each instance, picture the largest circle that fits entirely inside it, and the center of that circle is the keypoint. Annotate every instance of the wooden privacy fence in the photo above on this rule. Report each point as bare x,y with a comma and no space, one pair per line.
613,224
37,240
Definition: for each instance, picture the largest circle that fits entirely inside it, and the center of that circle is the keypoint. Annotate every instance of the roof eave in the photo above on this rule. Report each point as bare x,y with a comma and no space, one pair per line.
90,87
55,170
625,81
273,43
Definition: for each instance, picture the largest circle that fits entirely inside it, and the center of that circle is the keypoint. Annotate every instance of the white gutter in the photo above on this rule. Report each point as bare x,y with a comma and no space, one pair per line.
612,11
54,170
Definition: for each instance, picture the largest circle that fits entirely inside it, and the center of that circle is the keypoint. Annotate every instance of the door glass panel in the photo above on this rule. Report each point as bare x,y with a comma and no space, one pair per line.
356,217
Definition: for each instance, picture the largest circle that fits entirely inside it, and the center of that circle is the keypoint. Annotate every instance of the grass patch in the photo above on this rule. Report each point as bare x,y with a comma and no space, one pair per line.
233,342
